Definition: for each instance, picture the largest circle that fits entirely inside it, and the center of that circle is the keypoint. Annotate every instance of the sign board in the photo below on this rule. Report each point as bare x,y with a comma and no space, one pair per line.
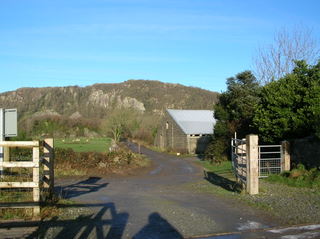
10,122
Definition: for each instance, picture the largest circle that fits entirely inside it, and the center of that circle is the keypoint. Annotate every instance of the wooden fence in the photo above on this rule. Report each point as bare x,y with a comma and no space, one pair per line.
42,183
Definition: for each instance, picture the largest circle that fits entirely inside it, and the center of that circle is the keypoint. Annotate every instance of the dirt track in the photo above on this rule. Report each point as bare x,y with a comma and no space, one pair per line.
157,203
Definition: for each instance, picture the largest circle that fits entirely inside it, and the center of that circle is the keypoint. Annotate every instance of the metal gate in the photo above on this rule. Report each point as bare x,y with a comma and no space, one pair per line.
239,159
270,160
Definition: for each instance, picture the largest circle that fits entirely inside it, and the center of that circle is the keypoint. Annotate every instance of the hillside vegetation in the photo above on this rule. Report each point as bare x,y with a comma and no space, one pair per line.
81,111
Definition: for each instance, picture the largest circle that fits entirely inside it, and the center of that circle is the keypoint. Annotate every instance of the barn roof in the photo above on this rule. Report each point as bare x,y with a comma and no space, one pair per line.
194,121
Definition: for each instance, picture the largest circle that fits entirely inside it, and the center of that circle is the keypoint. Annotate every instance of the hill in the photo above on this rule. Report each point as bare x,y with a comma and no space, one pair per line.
95,102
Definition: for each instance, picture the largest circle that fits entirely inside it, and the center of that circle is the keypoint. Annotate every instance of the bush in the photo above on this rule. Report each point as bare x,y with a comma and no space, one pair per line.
217,150
298,177
67,159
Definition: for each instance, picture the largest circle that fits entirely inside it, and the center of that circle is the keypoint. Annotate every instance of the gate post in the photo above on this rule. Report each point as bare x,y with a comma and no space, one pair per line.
36,180
48,166
285,163
6,154
252,164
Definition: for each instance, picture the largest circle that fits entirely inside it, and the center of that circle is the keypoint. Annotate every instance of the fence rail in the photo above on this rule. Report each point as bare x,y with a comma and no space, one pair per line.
26,174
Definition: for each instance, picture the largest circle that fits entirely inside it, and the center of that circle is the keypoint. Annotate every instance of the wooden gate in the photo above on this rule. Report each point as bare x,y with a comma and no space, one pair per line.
25,181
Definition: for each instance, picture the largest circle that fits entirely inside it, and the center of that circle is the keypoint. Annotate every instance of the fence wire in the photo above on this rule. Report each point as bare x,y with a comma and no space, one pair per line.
270,160
22,182
13,195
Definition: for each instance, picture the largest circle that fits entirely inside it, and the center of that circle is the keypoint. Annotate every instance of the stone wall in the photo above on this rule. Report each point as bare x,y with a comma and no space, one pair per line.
170,136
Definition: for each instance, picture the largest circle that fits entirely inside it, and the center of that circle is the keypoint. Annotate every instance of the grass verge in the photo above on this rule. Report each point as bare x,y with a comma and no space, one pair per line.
292,199
224,167
219,179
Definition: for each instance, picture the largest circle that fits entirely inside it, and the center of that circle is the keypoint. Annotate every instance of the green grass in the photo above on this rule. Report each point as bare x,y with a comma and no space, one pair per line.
223,169
220,179
84,144
16,213
9,196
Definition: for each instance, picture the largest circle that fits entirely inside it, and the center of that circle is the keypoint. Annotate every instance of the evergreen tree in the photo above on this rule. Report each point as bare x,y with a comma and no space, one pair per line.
290,108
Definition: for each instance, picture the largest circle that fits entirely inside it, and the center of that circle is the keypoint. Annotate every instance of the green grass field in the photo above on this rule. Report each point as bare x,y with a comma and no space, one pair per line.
84,144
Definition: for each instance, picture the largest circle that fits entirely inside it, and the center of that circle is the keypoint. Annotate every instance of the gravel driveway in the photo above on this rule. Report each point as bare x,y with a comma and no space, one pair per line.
154,203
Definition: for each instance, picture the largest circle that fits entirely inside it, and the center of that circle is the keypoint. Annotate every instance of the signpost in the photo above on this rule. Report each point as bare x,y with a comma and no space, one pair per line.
8,128
1,134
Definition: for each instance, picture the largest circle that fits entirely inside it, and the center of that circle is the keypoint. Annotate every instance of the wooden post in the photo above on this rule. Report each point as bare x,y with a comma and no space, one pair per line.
285,163
36,179
6,154
48,166
252,164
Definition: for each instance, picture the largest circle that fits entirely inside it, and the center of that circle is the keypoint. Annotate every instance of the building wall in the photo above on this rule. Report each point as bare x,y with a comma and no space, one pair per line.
197,144
170,136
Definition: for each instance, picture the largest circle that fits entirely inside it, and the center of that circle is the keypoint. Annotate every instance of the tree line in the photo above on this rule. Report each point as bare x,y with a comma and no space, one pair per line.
281,103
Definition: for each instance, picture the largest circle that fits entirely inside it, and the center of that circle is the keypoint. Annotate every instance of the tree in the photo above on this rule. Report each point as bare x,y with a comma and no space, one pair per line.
148,127
274,61
234,113
237,104
122,123
116,130
290,108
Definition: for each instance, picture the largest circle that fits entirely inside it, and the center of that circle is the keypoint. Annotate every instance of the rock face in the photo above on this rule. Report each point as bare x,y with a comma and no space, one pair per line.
98,100
75,115
114,100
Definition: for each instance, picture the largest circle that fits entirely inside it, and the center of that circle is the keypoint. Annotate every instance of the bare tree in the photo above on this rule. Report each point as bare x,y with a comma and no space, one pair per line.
122,122
273,61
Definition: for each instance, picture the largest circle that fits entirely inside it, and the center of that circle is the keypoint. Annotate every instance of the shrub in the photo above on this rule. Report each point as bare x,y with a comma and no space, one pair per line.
67,159
298,177
217,151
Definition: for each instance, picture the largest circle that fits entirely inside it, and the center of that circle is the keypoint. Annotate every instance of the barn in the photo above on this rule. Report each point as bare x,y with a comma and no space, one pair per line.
185,131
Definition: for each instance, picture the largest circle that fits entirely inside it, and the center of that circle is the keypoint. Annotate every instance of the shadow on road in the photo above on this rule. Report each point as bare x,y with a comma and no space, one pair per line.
223,182
99,225
159,228
104,223
89,185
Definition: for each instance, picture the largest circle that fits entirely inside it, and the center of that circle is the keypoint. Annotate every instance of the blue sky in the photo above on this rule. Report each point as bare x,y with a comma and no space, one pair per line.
192,42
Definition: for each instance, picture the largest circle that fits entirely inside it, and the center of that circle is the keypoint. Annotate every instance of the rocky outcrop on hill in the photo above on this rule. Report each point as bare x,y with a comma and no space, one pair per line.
97,100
